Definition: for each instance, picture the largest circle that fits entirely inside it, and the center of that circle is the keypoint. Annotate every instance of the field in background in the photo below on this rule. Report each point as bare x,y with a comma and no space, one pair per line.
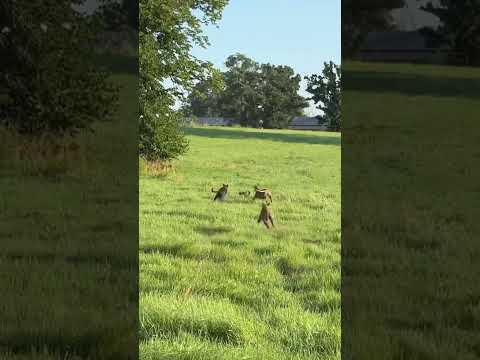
411,227
214,284
68,261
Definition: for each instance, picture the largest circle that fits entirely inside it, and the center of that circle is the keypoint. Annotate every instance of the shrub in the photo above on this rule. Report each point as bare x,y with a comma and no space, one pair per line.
160,140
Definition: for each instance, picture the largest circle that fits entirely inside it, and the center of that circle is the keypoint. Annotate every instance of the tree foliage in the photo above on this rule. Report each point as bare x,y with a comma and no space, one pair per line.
250,92
242,98
116,14
279,87
359,17
205,98
167,31
326,93
52,80
459,25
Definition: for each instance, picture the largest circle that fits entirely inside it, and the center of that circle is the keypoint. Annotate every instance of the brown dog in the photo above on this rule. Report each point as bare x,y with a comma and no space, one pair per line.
266,216
262,194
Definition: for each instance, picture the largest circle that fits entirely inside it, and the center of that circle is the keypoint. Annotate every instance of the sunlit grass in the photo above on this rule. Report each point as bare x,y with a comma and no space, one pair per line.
214,284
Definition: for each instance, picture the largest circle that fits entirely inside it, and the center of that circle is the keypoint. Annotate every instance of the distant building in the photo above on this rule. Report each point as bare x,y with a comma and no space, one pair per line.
406,46
215,121
315,123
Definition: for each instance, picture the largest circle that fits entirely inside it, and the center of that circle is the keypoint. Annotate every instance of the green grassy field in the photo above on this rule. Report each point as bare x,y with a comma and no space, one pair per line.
410,217
214,284
68,262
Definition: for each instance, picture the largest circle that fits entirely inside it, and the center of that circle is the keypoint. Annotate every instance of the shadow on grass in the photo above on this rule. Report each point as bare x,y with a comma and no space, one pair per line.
179,214
264,251
213,230
230,243
262,135
241,200
59,345
112,261
85,344
314,303
411,84
312,241
176,250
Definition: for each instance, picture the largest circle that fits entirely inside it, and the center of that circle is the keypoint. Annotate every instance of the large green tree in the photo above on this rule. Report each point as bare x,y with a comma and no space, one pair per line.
359,17
53,82
167,31
250,92
206,97
241,98
459,25
279,87
326,93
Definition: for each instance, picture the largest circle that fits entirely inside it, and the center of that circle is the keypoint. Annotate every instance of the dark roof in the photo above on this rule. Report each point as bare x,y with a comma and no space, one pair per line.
214,121
306,121
404,40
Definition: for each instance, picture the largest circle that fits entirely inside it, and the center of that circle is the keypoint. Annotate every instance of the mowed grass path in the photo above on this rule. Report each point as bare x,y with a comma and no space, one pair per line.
255,293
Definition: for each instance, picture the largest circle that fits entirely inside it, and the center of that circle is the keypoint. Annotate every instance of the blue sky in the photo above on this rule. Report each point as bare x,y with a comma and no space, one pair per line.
299,33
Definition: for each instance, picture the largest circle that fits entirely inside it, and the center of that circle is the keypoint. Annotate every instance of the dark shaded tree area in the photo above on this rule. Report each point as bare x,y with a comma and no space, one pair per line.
249,92
118,14
459,27
359,17
52,81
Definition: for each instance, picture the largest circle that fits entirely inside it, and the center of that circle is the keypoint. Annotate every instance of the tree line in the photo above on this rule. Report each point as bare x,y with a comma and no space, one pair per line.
249,92
264,95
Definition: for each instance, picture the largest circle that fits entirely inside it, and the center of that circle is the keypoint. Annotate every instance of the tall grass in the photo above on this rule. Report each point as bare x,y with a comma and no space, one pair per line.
68,224
44,155
154,168
410,220
215,284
